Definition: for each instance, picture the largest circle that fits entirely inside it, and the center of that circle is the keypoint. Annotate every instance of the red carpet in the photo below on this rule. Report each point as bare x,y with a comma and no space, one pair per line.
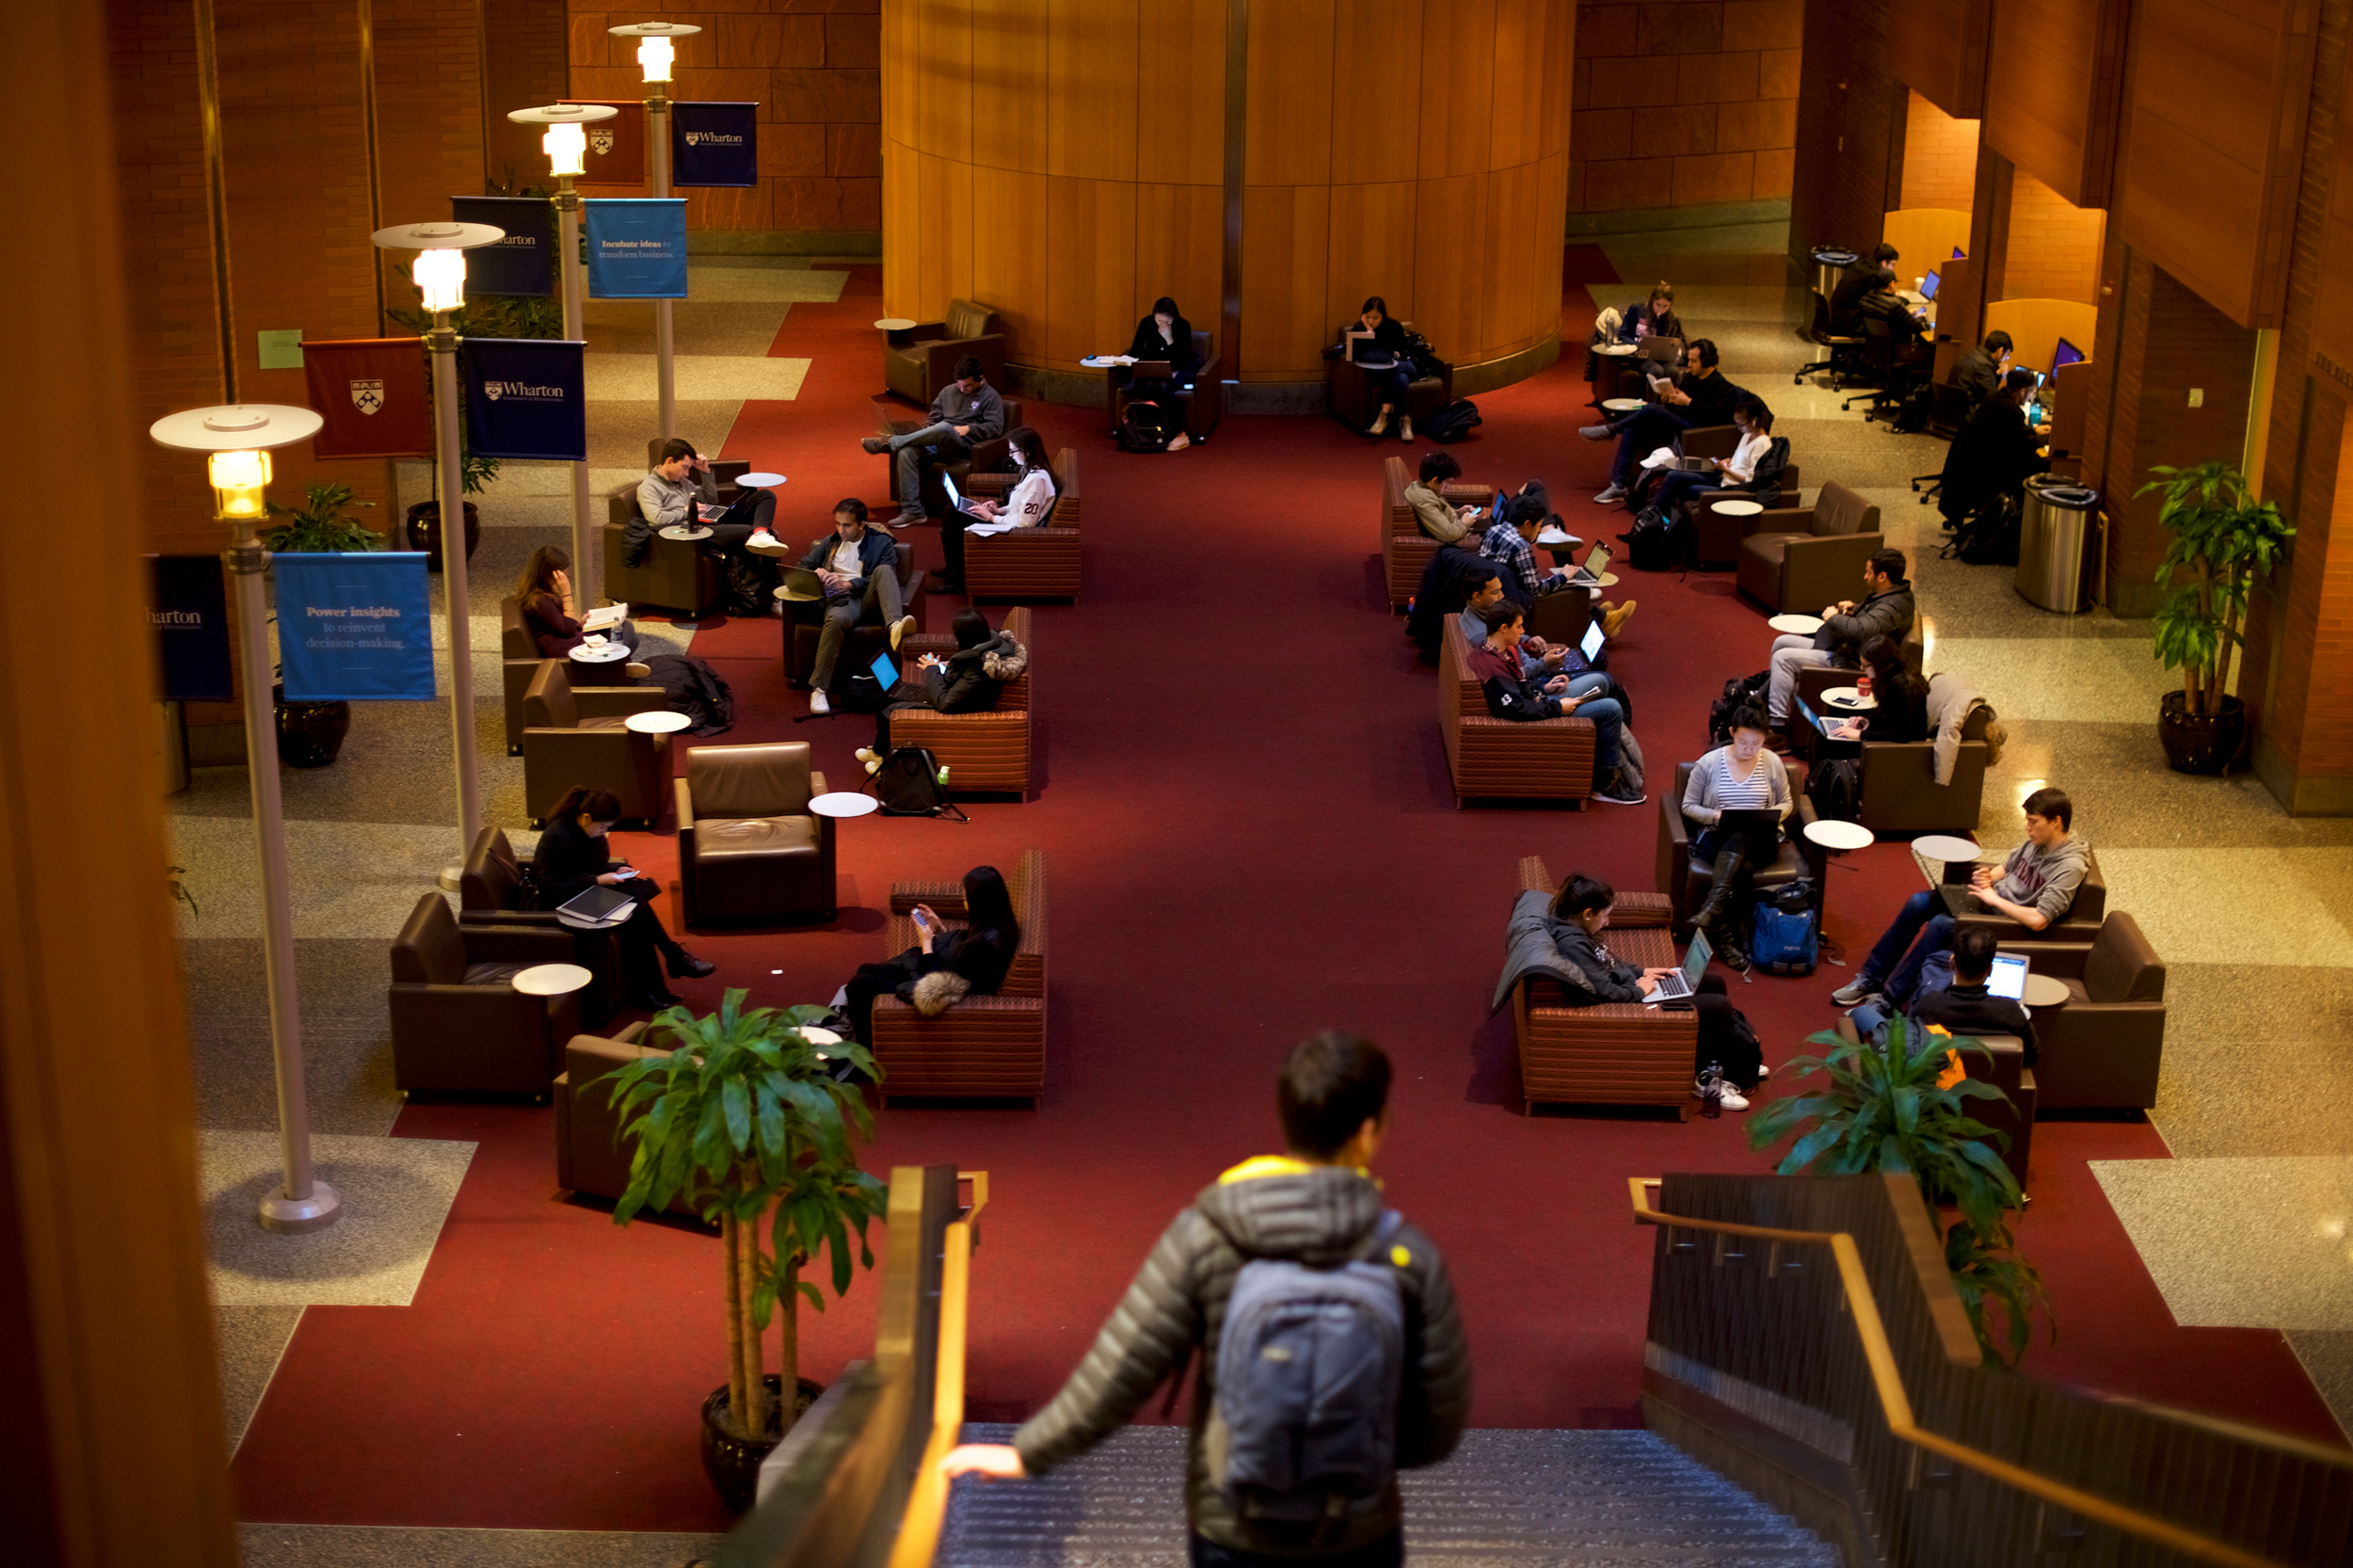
1250,836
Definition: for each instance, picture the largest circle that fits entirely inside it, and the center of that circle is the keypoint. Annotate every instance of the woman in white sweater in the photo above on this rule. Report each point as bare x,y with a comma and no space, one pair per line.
1024,506
1744,774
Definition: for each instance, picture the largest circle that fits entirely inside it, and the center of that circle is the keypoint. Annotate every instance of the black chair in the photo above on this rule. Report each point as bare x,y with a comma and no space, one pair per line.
1885,362
1840,361
1948,410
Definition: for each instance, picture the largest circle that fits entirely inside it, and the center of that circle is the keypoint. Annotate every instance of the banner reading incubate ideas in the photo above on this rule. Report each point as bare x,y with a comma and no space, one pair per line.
636,248
189,612
372,393
354,626
714,144
525,397
519,263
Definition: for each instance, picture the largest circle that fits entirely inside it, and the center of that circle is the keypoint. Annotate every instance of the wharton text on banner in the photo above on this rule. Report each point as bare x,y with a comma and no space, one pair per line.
524,398
714,144
520,262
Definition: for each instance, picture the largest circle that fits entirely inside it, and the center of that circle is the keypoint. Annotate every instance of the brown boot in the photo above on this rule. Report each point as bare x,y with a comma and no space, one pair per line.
1615,616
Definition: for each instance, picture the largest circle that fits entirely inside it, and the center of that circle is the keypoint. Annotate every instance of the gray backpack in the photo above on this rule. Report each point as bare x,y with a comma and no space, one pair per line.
1310,1365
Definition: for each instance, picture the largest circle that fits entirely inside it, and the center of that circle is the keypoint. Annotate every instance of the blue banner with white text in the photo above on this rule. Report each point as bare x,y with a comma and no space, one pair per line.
520,262
714,144
525,397
636,246
354,627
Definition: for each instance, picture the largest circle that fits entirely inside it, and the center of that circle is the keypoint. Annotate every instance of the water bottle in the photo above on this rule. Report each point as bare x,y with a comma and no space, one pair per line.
943,776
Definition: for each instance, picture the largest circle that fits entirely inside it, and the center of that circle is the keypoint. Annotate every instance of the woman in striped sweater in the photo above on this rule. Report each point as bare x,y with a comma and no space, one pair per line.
1743,774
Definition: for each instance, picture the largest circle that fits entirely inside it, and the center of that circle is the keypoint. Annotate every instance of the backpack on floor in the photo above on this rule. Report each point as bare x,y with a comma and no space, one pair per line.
911,783
1836,790
1659,541
1737,694
1989,537
860,694
1453,421
1785,930
1310,1367
1145,428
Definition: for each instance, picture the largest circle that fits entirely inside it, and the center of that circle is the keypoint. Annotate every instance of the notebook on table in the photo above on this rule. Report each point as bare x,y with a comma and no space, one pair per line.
602,905
1684,983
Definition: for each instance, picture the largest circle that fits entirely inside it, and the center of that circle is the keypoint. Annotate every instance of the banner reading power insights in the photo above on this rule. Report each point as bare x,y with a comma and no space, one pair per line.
714,144
371,391
519,263
524,398
354,627
636,248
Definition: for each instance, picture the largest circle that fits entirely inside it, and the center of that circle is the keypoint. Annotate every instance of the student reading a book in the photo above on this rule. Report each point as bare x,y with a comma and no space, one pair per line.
572,857
551,614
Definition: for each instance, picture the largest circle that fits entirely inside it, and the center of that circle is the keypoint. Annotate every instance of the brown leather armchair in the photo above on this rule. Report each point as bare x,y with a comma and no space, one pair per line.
1506,759
797,647
2103,1047
991,1047
521,661
1686,880
580,735
1605,1053
1027,563
992,456
750,852
458,1024
1899,790
674,574
2081,923
2004,1068
1204,402
917,363
1799,558
1405,550
490,892
1716,535
589,1158
984,751
1348,390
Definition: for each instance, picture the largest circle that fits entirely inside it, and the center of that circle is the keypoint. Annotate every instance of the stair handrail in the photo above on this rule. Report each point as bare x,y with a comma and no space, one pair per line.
1895,1405
927,1511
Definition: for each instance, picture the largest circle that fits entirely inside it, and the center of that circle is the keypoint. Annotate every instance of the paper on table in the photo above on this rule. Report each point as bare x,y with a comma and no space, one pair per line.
1096,362
986,529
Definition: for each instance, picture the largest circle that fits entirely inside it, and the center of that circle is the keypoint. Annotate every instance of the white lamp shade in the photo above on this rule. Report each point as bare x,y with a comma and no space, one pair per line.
567,147
654,56
236,427
441,276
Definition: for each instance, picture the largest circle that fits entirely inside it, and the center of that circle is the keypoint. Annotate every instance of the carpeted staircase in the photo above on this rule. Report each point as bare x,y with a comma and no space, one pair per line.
1507,1499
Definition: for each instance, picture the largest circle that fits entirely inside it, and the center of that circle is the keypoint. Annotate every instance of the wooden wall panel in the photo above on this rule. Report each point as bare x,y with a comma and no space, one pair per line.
1559,54
1181,93
1007,128
1090,266
1090,59
1373,252
2333,302
1455,78
939,77
1180,233
1376,133
1447,261
2209,184
1290,93
1516,109
1283,292
1937,48
1510,264
1008,249
2054,76
901,38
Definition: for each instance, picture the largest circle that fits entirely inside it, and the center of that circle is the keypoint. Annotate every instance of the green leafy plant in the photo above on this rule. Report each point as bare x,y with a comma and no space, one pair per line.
2223,548
1903,1112
741,1122
324,522
179,891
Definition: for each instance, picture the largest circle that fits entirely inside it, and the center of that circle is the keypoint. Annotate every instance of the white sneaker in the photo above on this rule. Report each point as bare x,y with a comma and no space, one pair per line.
1731,1098
817,703
899,628
864,754
874,767
1763,1072
1855,992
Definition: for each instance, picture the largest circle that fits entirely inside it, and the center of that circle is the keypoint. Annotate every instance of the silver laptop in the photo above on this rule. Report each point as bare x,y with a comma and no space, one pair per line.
956,496
1594,567
1683,984
2009,978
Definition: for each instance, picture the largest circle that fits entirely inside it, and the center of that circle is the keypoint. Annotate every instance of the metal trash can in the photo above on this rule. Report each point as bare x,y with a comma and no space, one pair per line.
1829,262
2052,536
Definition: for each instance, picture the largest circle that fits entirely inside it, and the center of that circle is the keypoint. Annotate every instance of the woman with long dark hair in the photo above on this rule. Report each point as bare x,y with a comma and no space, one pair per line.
545,594
1025,505
946,964
1580,913
571,858
969,680
1900,697
1164,337
1377,342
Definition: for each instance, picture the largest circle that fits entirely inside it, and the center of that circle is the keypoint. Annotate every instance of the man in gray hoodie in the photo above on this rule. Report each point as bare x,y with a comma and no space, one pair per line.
1316,1205
966,412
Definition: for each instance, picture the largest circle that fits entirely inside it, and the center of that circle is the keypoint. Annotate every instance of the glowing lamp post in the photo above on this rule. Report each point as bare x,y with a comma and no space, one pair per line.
656,54
566,144
439,273
238,440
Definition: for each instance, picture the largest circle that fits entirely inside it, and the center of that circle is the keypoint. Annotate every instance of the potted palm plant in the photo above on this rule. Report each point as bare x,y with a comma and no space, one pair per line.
743,1122
1900,1111
310,734
2223,548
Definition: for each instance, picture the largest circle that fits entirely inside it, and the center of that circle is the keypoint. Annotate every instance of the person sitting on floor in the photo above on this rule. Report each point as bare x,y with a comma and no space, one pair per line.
1580,913
1978,372
1953,996
1901,694
969,681
859,568
573,856
1439,521
945,966
1886,610
1703,398
1755,423
1745,775
1540,660
966,412
544,595
2034,887
1996,451
1026,506
1510,694
671,495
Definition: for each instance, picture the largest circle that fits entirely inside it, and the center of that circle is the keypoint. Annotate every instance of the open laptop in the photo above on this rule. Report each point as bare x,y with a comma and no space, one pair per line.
884,671
1684,983
1368,352
2066,353
1928,285
955,497
2009,978
801,585
1594,567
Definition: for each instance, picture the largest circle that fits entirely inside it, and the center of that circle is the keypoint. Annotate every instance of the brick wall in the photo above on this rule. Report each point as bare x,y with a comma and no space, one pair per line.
1851,130
1940,157
1686,102
2054,247
818,80
523,48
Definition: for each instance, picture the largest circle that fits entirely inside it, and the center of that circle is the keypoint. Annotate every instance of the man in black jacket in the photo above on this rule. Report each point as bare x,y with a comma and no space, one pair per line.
859,568
1704,398
1885,611
1996,451
1965,1008
1979,371
1860,278
1317,1204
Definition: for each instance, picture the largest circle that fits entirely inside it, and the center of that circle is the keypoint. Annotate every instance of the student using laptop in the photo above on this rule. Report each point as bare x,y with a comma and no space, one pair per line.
858,571
1509,543
679,492
1755,423
1511,693
1969,1006
1377,342
1738,799
1031,499
2034,887
574,856
1580,913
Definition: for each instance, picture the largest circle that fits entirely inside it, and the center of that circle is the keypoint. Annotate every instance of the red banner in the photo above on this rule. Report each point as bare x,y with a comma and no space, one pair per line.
617,147
372,392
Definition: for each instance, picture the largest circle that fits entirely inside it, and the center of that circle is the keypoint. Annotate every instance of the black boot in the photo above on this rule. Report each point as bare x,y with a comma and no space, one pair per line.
1727,870
684,965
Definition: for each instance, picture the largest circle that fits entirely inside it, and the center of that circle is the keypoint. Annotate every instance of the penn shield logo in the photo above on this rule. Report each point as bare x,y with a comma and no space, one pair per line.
367,396
495,391
601,140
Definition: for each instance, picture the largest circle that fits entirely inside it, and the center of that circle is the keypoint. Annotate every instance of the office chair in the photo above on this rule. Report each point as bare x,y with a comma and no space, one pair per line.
1842,348
1948,410
1884,360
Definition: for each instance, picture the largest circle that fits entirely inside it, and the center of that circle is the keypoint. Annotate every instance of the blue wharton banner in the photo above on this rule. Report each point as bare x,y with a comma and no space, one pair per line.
714,144
636,248
354,626
520,264
524,398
